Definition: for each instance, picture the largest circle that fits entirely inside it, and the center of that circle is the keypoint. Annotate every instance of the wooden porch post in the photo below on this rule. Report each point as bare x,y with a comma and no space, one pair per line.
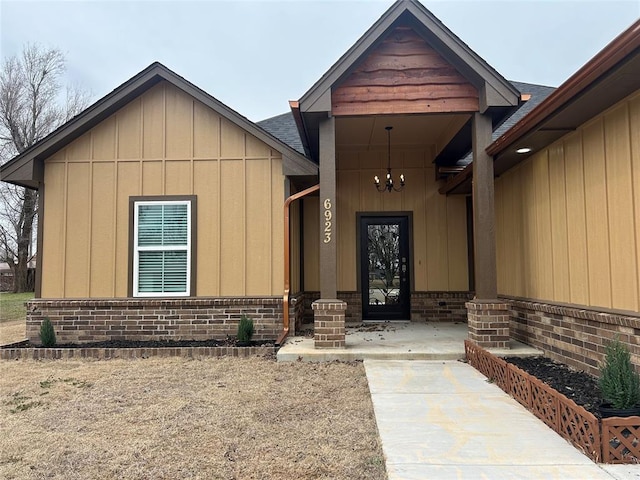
484,236
488,318
328,312
328,251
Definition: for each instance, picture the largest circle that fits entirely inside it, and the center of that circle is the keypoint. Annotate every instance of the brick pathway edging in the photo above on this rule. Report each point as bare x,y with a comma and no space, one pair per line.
132,353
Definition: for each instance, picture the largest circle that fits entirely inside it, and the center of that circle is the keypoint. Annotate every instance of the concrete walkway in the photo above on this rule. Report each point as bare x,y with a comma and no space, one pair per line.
443,420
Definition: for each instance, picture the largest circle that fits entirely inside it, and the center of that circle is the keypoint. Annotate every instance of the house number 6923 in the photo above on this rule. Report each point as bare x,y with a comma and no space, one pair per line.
327,220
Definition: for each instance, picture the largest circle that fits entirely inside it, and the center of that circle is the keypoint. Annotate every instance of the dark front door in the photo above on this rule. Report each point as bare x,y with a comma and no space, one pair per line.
384,267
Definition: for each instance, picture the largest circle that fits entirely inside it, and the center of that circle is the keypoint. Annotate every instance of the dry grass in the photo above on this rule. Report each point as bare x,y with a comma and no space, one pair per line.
225,418
13,331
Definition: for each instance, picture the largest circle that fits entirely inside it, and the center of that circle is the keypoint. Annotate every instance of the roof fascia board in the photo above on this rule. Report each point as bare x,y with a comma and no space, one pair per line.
595,69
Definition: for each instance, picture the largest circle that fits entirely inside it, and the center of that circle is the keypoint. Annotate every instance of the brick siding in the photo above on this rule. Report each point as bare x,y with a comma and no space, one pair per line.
439,306
571,334
425,306
81,321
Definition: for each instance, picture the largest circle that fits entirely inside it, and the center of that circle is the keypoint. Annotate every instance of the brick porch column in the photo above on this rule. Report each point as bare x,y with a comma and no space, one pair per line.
328,323
488,323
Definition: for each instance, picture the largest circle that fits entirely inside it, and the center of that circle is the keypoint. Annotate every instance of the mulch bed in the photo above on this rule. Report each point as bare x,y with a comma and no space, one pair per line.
580,387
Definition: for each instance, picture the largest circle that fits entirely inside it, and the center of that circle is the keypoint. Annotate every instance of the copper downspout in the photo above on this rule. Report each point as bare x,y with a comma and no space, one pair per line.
287,260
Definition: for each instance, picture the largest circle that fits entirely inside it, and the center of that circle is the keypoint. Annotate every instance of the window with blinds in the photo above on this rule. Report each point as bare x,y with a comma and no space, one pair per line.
162,248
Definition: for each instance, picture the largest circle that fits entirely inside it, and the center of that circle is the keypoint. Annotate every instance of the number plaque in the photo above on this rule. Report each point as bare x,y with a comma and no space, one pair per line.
327,220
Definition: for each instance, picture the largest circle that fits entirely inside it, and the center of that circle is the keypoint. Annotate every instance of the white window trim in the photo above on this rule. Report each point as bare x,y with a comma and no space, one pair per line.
136,249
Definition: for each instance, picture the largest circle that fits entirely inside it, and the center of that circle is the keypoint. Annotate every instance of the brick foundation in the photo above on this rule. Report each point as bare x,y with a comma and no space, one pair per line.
439,306
328,325
81,321
574,335
425,306
489,323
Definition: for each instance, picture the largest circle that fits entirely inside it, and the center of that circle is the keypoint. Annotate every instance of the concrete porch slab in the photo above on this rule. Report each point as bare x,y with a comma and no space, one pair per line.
394,341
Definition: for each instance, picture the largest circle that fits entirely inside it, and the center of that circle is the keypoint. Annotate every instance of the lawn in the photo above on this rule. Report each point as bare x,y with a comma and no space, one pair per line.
13,315
12,306
226,418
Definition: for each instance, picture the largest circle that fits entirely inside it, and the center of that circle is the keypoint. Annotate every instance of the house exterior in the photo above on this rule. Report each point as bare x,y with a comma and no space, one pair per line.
6,275
165,214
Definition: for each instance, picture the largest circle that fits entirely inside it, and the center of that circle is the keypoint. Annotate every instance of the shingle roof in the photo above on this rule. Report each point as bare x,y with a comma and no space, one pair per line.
283,126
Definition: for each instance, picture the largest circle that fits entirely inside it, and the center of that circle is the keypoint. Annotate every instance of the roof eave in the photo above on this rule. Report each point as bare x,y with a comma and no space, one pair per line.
595,69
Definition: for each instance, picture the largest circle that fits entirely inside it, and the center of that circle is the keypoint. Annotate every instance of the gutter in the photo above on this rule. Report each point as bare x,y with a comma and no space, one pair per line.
287,261
302,131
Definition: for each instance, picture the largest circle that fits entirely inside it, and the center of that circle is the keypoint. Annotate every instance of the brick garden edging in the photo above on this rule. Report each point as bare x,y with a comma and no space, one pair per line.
612,440
15,353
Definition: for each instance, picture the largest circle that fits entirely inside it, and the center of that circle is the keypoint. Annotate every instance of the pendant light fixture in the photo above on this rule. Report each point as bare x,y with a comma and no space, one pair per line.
388,185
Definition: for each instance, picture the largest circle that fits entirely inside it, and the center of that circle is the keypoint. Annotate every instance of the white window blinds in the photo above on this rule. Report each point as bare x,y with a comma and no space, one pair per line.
162,248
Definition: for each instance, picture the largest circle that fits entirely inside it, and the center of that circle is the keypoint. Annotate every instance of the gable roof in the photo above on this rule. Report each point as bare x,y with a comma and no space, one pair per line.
496,95
494,89
26,169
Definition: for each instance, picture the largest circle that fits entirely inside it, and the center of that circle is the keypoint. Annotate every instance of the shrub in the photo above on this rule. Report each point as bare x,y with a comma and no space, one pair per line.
47,334
245,329
619,382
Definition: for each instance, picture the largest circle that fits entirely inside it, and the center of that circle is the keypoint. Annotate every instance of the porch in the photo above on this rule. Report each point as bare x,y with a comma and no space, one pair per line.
393,341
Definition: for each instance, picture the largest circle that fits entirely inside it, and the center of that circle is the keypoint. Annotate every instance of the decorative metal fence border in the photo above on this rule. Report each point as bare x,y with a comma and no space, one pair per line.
612,440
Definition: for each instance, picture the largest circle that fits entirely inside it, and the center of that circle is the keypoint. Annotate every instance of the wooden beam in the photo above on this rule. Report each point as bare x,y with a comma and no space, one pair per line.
328,208
466,105
484,234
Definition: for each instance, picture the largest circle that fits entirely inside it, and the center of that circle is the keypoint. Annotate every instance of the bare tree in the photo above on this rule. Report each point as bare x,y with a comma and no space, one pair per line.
31,106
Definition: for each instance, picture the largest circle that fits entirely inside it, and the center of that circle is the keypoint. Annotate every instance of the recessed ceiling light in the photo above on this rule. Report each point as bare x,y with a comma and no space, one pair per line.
523,150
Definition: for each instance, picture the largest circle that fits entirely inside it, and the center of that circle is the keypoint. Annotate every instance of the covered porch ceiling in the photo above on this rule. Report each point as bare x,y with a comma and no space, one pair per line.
417,130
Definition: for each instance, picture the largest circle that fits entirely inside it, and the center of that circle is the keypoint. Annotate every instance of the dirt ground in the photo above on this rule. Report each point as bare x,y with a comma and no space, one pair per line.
226,418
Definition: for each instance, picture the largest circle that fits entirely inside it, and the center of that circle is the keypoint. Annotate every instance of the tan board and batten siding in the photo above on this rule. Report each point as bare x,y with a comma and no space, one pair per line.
568,219
163,143
439,222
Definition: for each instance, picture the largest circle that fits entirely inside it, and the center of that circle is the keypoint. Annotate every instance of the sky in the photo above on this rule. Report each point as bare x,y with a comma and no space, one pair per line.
254,56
